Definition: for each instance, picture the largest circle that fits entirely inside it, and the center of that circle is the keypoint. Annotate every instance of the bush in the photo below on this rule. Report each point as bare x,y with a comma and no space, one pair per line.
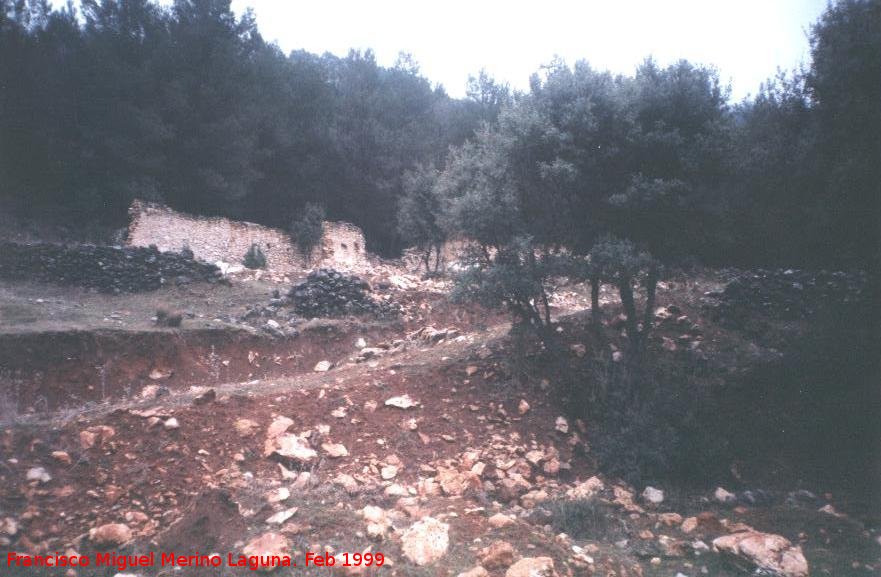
308,229
254,258
168,318
652,421
585,519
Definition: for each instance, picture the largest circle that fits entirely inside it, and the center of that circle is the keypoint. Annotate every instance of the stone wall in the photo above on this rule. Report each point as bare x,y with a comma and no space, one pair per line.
220,239
105,268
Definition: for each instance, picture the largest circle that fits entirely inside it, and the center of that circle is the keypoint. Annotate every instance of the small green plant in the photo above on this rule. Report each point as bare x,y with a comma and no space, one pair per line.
254,258
168,318
585,519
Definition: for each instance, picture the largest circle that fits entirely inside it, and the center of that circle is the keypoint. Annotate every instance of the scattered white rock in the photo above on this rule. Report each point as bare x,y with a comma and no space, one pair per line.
62,457
587,489
110,534
523,407
323,366
499,520
561,425
246,427
401,402
388,472
171,424
335,450
723,496
474,572
768,552
282,516
267,545
532,567
9,526
278,426
653,496
292,447
97,435
426,541
38,474
396,490
347,482
498,555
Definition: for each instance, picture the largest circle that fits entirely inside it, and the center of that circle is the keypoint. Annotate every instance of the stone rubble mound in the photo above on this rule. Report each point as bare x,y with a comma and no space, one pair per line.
330,293
105,268
784,294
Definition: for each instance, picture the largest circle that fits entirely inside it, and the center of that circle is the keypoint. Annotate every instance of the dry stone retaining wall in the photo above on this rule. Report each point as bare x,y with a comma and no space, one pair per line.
105,268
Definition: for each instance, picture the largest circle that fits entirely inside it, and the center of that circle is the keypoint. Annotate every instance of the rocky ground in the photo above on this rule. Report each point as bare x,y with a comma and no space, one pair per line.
413,440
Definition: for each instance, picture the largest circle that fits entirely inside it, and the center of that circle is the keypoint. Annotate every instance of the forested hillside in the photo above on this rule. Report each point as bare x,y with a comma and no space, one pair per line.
189,105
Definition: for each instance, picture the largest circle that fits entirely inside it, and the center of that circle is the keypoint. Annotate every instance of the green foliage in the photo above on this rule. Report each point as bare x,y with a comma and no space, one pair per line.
654,421
508,192
308,229
844,81
615,260
419,214
188,105
514,277
586,519
254,258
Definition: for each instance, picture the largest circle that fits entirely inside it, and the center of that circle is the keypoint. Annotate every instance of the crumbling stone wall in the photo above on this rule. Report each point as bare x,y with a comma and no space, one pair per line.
221,239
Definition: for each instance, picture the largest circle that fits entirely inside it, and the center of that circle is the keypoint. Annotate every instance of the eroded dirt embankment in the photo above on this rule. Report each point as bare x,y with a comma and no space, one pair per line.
53,370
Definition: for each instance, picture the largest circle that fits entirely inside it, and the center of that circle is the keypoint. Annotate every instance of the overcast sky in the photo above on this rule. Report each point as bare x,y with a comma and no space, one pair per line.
746,40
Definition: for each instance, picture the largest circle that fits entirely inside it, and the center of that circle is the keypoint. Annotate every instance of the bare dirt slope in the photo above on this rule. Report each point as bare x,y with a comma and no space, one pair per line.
425,445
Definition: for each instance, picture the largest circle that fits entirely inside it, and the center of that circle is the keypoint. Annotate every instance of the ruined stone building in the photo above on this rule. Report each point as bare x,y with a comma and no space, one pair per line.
214,239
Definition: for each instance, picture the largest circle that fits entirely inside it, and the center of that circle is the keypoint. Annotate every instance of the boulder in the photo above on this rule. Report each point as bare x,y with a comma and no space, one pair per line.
246,427
426,541
768,552
587,489
110,535
724,497
335,450
498,555
653,496
401,402
267,545
532,567
323,366
292,447
499,520
97,435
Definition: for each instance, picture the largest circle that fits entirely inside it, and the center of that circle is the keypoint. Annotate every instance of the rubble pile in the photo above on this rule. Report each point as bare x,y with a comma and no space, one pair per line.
105,268
329,293
784,294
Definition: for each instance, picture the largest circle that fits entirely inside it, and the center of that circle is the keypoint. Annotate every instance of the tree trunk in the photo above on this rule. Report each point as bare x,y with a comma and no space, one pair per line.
595,298
651,284
625,288
547,306
437,257
426,259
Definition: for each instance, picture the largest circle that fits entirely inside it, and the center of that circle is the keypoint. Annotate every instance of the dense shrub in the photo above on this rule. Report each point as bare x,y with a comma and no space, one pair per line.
308,229
586,519
254,258
653,420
